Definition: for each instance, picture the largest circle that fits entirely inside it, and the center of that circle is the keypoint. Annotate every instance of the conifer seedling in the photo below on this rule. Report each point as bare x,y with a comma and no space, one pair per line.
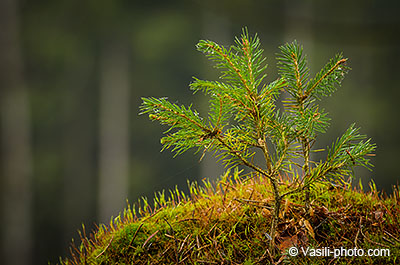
244,119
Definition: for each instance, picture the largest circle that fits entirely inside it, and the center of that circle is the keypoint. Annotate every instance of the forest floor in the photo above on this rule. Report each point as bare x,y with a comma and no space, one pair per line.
228,222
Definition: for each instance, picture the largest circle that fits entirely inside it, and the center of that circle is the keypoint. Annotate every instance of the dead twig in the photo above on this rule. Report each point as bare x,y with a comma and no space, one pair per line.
206,261
189,219
176,241
391,215
134,235
388,240
150,237
389,234
356,239
109,243
183,243
270,257
255,203
369,240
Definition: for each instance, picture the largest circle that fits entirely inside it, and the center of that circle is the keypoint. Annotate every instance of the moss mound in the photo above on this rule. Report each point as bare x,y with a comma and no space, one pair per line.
228,222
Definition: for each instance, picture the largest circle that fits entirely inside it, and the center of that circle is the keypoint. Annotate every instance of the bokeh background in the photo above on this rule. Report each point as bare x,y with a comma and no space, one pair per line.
72,74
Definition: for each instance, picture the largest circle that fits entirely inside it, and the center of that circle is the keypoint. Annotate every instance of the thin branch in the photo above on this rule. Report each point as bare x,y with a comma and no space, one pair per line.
297,71
183,116
219,51
342,61
246,49
298,189
241,158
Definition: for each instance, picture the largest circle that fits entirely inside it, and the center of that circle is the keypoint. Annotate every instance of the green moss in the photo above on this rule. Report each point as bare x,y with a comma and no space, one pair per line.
229,222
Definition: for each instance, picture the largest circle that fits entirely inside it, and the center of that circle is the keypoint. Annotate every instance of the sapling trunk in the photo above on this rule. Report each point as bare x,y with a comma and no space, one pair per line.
275,189
275,217
306,172
307,203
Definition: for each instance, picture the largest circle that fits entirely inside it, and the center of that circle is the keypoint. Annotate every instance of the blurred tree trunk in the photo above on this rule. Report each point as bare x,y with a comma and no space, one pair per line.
16,193
79,148
114,130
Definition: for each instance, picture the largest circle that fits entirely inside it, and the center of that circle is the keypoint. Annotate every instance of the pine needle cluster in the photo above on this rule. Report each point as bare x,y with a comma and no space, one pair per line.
244,118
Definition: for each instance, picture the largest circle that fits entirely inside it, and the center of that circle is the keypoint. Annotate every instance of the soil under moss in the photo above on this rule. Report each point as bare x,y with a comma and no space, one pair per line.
228,222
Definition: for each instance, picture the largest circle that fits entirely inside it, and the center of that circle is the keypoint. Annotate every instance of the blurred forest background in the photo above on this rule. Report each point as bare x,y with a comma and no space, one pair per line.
72,74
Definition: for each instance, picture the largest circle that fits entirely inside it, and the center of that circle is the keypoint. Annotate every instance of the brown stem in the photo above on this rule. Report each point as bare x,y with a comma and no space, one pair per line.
264,148
306,168
271,175
275,217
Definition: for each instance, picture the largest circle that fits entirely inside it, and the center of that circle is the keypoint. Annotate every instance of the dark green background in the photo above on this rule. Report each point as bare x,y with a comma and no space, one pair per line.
62,45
